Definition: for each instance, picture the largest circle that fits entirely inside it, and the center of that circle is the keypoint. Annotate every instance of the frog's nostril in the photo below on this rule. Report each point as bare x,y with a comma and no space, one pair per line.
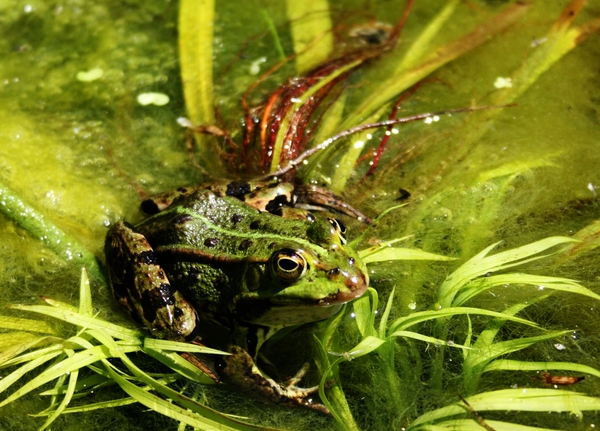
334,272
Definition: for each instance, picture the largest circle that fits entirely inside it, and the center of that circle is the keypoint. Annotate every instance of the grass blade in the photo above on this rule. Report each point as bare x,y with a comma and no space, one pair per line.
423,316
78,360
510,364
529,399
29,325
85,295
66,400
541,282
211,416
427,339
180,366
177,346
482,264
82,321
165,407
311,29
196,20
7,381
436,58
396,253
473,425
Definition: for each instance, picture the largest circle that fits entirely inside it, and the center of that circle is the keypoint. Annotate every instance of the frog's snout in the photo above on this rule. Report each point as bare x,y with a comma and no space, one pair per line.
355,282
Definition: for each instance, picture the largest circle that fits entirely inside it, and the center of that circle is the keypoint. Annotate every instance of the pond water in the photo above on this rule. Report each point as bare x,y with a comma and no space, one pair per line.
77,145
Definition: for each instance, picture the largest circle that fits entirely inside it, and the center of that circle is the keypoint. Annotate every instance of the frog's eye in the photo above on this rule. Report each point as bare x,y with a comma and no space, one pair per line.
289,265
340,228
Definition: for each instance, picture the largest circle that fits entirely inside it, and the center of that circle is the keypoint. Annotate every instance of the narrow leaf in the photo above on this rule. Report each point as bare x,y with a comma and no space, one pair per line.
394,253
29,325
176,346
423,316
512,365
311,29
526,399
78,360
427,339
85,295
84,321
180,366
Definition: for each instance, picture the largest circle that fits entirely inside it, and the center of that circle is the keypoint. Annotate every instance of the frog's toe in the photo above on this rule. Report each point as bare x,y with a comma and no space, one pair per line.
292,382
294,396
241,371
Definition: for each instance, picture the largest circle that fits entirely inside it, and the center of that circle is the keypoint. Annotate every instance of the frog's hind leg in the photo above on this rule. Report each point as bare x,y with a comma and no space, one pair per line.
241,371
319,198
141,286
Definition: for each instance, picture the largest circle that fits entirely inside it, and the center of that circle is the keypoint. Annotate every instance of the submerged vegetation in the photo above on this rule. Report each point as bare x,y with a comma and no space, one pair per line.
448,336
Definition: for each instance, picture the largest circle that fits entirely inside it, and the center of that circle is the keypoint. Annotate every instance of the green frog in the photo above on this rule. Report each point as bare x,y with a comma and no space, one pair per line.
228,264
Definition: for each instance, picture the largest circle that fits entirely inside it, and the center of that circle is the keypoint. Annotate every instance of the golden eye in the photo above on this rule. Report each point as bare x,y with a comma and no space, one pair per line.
340,228
289,265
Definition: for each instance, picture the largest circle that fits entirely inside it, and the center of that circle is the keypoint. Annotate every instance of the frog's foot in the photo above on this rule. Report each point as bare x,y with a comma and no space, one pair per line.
241,371
319,198
299,376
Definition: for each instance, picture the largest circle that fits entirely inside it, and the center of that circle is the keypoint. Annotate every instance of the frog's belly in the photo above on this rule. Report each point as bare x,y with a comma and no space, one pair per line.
295,315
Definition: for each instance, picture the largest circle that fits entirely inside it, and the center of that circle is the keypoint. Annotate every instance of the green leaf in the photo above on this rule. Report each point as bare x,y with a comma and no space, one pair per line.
386,314
427,339
430,61
66,400
75,362
512,365
481,264
211,416
82,321
423,316
485,355
85,295
167,408
82,385
196,21
29,325
392,253
178,346
364,312
473,425
101,405
559,41
180,365
311,29
8,381
10,358
525,399
366,346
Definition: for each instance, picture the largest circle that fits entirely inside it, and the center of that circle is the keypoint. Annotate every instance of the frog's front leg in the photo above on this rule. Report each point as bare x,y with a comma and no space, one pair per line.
241,371
141,286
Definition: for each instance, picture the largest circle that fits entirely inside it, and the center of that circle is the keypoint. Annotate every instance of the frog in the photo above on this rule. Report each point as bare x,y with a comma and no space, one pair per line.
229,264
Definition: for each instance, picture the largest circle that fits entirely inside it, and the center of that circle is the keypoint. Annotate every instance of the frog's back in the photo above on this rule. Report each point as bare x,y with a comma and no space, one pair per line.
213,228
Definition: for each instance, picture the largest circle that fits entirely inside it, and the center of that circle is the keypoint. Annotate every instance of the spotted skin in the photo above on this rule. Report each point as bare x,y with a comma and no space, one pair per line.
147,293
215,263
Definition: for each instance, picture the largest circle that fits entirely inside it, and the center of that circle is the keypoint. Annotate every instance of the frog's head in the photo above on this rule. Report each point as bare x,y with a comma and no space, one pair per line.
306,282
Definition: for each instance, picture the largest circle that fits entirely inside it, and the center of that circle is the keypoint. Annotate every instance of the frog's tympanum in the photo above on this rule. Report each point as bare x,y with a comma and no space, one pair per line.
218,264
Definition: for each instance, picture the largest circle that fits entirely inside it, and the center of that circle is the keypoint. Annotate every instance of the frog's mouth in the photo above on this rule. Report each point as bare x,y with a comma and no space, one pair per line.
289,315
289,311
